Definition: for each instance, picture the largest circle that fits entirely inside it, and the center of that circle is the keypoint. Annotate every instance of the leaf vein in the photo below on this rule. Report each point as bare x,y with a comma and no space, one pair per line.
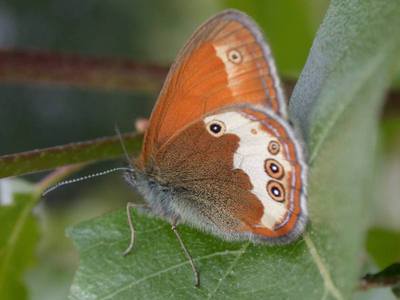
228,270
323,270
127,286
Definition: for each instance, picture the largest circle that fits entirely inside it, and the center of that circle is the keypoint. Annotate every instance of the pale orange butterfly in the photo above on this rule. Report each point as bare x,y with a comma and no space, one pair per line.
219,153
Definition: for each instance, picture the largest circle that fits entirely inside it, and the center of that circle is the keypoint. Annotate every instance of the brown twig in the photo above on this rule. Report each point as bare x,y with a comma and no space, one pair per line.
388,277
39,67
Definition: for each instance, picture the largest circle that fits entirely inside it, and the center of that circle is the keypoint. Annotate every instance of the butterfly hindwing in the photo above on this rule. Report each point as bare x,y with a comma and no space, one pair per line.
239,173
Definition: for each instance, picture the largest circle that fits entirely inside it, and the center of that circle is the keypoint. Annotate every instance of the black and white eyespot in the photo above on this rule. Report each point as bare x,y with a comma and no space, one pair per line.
276,191
234,56
274,169
216,128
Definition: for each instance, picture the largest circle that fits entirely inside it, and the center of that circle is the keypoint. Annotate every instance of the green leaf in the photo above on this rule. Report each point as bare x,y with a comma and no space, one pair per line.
18,240
396,83
384,246
157,261
390,129
336,104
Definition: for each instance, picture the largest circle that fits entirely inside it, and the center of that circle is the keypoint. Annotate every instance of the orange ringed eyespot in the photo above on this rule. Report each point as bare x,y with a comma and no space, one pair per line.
276,191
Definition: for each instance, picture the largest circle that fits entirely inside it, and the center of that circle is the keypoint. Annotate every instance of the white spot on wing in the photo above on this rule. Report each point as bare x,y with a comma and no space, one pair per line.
230,67
250,157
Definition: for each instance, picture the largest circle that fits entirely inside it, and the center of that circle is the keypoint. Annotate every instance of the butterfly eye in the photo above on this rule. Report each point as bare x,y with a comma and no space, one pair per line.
276,191
234,56
216,128
274,147
274,169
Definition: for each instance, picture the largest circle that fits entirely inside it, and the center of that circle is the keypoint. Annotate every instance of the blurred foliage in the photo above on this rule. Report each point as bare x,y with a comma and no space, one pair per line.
390,128
18,241
384,246
386,206
396,83
57,259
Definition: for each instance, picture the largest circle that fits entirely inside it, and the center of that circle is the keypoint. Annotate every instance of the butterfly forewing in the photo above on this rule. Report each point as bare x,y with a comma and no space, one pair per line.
225,62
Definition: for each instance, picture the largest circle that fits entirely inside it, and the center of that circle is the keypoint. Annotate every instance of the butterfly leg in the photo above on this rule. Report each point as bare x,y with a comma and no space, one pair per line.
129,206
187,254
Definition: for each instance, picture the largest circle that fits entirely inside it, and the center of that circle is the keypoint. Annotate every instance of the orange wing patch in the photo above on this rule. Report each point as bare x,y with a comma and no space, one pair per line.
226,62
249,75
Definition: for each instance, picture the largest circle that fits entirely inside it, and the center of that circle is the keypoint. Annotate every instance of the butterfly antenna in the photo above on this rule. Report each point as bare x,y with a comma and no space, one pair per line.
123,146
86,177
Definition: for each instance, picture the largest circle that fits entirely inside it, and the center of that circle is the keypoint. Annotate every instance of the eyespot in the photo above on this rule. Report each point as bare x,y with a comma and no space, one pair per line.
234,56
276,191
274,147
216,128
274,169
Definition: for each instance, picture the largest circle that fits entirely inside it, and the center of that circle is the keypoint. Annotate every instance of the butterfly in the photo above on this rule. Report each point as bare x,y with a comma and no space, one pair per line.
220,153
